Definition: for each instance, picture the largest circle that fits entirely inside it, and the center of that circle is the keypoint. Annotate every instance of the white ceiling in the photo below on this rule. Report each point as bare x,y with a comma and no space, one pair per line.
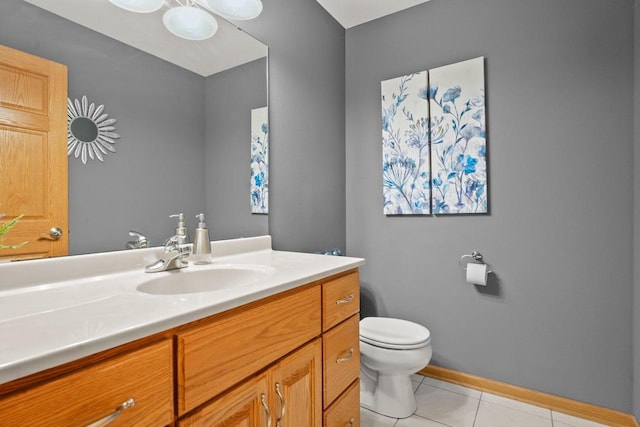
228,48
350,13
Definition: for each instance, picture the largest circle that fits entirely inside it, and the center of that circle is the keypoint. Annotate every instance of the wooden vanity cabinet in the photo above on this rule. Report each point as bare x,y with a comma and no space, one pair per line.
288,360
315,384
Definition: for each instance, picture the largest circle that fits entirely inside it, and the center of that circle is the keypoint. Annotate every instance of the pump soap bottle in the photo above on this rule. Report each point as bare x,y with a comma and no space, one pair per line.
182,233
201,243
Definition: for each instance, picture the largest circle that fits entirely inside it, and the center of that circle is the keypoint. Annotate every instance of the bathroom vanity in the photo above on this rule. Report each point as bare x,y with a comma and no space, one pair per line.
274,342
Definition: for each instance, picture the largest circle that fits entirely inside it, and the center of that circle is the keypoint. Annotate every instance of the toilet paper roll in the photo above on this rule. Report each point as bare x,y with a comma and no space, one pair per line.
477,273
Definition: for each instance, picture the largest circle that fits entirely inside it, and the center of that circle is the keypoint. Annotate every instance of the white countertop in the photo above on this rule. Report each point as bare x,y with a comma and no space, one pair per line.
57,310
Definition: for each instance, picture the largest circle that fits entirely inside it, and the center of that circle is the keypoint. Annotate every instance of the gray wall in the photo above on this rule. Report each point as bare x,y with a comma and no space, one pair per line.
556,316
306,118
636,257
159,109
230,96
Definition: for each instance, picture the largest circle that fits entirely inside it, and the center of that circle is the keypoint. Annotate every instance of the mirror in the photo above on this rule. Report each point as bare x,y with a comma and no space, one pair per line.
183,112
83,129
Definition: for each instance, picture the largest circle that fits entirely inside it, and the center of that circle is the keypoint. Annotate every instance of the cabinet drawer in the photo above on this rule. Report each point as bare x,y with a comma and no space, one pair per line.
340,299
341,358
215,356
94,393
345,411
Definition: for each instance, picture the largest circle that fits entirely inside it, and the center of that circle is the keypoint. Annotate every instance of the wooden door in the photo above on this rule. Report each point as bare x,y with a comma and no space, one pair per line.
244,406
297,388
33,153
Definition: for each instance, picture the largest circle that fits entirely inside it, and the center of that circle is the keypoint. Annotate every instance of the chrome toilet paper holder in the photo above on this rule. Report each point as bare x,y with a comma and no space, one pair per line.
475,257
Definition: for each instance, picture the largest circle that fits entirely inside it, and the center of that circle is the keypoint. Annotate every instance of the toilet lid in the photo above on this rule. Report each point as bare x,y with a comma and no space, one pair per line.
393,333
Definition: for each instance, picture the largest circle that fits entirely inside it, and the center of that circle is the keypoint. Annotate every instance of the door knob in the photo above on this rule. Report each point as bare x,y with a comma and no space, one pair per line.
54,234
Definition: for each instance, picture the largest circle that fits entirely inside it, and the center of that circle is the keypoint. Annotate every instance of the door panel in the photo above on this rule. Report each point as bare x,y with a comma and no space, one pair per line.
33,154
297,388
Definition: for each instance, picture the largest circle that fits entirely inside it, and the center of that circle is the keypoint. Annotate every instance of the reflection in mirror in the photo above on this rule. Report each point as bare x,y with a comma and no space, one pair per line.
83,129
184,117
91,132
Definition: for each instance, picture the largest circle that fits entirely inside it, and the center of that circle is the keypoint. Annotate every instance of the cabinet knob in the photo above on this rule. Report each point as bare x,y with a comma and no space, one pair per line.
111,418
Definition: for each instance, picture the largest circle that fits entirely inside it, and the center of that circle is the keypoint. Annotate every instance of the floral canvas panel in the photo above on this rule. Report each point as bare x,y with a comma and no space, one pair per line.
405,145
458,138
260,160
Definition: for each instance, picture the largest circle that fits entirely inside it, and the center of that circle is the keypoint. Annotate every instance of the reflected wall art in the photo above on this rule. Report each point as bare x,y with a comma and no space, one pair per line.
260,160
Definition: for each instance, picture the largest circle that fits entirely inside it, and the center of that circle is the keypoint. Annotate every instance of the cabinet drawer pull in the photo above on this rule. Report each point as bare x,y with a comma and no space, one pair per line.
265,405
110,418
346,357
347,300
352,422
282,405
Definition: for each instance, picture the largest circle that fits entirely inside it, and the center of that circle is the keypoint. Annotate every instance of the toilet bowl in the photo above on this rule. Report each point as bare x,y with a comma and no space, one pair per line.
390,351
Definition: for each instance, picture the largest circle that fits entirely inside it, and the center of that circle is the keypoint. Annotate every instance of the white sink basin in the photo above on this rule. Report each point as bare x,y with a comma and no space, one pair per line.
208,279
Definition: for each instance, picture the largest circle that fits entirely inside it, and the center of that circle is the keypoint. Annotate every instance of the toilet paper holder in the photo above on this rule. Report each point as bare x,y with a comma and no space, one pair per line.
475,257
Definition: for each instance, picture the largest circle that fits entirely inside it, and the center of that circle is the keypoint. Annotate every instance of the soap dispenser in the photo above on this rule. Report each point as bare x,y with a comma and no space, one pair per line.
182,233
201,243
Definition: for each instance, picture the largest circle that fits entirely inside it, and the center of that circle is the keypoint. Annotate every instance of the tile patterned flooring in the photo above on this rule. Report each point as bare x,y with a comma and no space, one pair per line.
444,404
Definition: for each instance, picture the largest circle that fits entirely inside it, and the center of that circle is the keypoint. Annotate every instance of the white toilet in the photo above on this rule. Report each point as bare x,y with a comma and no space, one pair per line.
390,351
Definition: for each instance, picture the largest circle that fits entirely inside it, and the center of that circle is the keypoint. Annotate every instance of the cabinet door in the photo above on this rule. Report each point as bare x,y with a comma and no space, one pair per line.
296,383
246,405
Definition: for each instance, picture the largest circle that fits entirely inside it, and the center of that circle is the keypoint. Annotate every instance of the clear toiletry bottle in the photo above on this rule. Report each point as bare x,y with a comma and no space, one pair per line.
201,243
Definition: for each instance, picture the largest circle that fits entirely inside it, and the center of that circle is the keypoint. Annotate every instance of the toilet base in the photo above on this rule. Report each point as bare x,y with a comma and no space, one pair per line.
389,395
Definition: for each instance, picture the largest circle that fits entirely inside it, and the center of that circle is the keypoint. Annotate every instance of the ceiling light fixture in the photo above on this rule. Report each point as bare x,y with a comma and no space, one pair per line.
234,9
139,6
188,20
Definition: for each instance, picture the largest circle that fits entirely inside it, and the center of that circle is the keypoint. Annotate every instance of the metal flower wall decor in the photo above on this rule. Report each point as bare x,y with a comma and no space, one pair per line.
91,133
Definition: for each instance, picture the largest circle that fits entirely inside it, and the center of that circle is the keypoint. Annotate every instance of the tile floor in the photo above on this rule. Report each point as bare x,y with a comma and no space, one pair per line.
444,404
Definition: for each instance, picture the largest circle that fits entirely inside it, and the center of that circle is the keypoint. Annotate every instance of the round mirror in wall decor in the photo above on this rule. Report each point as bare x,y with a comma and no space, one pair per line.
91,133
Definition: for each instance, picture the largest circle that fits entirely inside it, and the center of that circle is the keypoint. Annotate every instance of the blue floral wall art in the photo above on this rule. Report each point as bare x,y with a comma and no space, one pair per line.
405,145
458,138
260,161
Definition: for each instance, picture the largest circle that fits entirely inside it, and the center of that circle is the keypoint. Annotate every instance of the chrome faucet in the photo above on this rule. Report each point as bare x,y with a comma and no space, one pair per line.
174,257
140,242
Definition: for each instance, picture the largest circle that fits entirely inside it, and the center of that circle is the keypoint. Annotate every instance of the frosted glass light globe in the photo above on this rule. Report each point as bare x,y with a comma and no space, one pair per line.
139,6
234,9
190,23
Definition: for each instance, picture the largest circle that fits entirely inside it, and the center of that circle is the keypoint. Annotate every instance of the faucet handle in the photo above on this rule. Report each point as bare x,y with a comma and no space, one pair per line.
140,242
172,244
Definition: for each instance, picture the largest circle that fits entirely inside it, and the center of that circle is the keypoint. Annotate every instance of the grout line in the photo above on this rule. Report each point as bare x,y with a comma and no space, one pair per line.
453,391
477,410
